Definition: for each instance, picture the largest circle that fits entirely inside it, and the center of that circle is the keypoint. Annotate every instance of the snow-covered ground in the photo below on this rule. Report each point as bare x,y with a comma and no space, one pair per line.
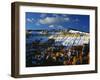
71,38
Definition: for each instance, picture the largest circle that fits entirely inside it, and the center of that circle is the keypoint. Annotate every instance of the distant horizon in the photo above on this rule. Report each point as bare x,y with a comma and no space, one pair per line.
51,21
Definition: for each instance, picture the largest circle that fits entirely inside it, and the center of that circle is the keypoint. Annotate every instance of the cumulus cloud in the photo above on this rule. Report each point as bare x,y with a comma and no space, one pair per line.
48,20
53,20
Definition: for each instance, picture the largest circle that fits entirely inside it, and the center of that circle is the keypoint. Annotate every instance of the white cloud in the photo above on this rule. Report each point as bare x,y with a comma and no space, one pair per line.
56,26
66,19
53,20
51,26
48,20
31,20
64,15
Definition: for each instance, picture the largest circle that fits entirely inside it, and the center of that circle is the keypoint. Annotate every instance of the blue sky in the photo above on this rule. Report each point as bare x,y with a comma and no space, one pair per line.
37,21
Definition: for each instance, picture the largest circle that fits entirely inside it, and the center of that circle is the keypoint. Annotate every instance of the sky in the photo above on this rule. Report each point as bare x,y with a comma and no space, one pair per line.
38,21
